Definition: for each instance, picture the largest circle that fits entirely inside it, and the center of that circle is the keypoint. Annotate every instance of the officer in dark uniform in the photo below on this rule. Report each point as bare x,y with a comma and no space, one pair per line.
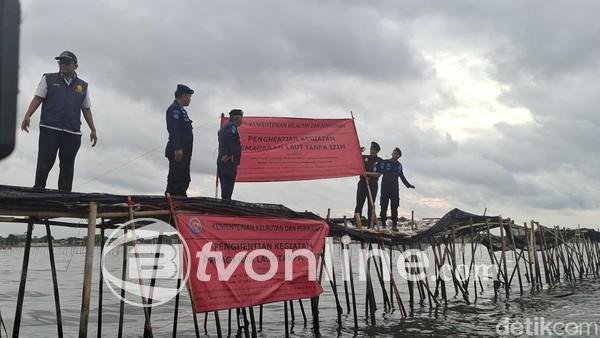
391,170
64,98
230,152
372,176
181,139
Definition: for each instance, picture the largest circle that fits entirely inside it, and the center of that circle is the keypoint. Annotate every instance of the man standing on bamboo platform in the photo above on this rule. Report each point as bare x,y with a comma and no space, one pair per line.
370,175
391,170
230,152
63,96
181,139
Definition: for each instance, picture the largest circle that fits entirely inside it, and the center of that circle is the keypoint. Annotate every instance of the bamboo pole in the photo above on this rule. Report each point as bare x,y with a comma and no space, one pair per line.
535,258
344,278
391,277
194,316
410,283
373,215
55,283
100,280
543,252
147,325
471,266
303,312
532,278
123,295
333,284
260,317
252,322
87,274
176,310
152,285
426,286
24,268
371,306
492,256
506,282
517,258
246,322
229,322
379,271
218,322
285,311
355,314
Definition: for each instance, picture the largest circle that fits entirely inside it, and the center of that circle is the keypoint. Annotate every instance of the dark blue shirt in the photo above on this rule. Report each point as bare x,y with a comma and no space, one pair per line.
230,143
371,163
391,170
180,128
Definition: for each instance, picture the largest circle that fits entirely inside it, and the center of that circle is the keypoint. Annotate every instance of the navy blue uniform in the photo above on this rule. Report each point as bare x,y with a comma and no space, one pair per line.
230,145
361,191
181,137
391,170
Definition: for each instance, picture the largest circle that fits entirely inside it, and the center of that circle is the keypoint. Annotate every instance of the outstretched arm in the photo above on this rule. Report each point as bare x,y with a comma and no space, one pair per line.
406,184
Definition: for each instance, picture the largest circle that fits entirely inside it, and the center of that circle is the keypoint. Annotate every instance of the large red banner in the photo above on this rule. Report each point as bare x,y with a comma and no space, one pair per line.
238,262
295,149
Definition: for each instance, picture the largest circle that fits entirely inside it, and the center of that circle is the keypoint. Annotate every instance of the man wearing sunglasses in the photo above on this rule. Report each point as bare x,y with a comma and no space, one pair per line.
63,96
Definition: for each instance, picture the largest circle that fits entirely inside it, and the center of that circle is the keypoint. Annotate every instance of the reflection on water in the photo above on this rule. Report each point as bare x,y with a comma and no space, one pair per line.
457,318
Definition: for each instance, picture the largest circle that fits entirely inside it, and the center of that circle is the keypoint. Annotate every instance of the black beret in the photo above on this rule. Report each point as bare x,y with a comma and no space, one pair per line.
183,89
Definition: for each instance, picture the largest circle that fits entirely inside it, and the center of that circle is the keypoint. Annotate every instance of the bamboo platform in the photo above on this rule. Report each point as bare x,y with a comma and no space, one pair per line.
544,256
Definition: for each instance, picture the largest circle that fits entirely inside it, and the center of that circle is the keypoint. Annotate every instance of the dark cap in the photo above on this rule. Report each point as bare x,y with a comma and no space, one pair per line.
375,146
183,89
66,55
398,150
236,112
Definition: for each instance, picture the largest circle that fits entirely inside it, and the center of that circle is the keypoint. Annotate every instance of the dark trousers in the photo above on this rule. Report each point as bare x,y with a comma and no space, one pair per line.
50,143
227,173
389,194
179,178
362,195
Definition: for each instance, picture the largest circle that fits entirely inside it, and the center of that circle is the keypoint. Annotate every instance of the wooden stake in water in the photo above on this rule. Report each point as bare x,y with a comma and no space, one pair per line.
87,272
506,282
55,283
123,280
100,280
516,257
24,268
352,286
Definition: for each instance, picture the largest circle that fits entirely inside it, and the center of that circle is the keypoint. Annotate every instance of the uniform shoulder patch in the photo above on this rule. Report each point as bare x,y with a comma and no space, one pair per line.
176,113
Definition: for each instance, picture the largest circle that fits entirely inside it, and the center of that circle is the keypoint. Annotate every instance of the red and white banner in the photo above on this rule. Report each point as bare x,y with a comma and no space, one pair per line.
245,261
295,149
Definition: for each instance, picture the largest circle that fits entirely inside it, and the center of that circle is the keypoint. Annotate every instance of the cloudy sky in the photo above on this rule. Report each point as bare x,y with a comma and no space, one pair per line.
493,103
